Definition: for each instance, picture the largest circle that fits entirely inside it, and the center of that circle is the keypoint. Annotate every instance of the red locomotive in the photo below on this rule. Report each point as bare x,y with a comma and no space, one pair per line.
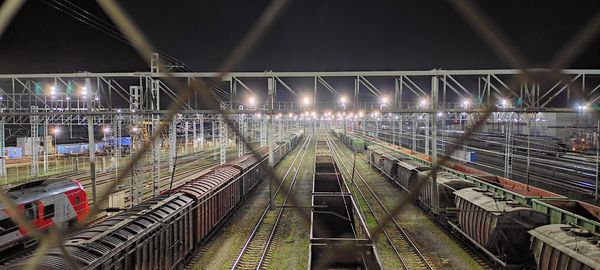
45,203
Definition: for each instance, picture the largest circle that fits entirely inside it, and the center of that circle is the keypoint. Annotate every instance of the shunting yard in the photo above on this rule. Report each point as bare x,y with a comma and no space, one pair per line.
275,239
254,238
412,240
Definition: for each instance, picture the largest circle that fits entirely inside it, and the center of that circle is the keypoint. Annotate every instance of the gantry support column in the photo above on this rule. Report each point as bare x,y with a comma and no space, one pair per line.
194,136
263,131
136,185
223,139
46,143
434,159
201,122
186,129
117,142
242,133
214,137
2,156
92,143
156,147
279,129
34,143
376,127
426,116
508,149
271,99
597,159
399,120
415,125
172,145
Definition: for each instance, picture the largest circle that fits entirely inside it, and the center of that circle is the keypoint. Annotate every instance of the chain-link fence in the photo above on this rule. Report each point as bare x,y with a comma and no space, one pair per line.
467,9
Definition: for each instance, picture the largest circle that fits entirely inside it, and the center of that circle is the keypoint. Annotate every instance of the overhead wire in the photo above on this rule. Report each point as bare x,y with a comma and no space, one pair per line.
80,14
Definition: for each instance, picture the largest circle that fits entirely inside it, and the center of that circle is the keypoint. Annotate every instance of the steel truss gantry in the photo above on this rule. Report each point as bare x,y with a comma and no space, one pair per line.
105,99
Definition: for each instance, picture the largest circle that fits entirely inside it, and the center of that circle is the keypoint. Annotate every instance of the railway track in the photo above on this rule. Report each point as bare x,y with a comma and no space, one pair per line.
544,170
408,253
481,259
464,246
257,250
85,179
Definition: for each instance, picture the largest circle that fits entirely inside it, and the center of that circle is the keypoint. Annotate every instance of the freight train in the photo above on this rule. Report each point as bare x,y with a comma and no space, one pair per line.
516,225
162,232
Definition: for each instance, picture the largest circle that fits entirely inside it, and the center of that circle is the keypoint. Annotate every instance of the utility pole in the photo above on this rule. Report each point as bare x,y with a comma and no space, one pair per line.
597,157
92,143
2,157
271,94
34,142
201,122
434,160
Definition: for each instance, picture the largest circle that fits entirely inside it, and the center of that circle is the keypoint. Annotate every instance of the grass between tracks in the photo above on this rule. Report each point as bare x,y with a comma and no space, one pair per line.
291,247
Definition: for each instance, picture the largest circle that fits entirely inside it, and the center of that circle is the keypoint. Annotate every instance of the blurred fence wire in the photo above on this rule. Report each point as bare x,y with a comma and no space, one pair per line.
475,17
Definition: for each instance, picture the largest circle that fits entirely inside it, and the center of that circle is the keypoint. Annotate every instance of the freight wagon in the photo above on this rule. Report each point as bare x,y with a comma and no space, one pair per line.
162,232
506,219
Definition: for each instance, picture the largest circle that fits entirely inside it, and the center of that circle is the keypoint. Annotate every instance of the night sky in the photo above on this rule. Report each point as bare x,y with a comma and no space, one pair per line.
314,35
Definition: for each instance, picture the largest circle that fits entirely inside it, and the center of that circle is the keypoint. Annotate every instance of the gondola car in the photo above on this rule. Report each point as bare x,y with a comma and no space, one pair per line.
445,186
506,219
408,173
376,155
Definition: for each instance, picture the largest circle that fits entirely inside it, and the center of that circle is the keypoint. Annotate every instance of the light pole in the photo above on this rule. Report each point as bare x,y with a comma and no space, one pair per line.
56,131
105,130
384,101
305,102
343,102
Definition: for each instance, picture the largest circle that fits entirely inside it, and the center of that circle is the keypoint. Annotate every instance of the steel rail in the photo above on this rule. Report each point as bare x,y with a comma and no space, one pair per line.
255,230
401,230
534,175
386,234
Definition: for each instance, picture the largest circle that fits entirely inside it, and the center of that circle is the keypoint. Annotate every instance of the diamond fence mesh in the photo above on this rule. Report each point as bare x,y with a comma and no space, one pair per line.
467,9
